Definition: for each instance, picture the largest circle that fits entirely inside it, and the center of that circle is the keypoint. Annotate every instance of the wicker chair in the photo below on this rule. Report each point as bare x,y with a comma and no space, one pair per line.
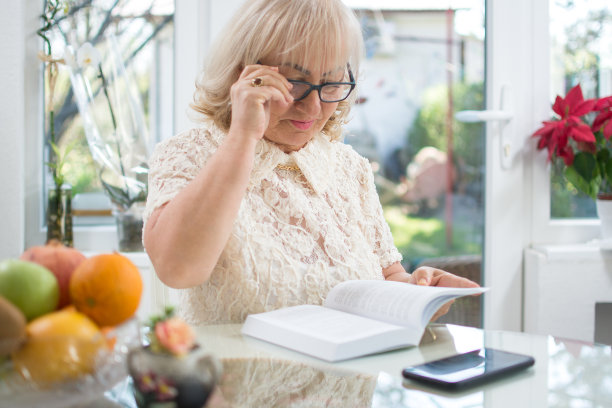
466,311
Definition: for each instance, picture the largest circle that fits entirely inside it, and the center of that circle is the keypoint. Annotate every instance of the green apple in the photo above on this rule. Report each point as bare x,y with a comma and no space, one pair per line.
29,286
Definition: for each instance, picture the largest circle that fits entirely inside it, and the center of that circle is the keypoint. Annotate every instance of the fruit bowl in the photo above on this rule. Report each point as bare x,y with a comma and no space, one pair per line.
21,386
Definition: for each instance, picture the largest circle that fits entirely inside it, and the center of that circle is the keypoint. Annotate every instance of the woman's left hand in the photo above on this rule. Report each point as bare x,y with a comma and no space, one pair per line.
428,276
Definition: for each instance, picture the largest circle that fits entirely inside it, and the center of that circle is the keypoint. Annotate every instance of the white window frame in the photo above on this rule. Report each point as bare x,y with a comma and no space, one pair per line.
544,229
101,237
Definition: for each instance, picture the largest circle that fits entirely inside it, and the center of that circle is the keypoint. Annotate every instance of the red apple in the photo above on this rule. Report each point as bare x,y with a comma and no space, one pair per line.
59,259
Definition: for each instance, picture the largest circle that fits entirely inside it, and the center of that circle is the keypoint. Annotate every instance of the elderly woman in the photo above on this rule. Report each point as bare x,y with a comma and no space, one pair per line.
263,206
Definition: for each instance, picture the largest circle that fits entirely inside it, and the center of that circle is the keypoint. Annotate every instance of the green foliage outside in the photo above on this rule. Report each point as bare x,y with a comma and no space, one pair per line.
418,238
423,235
429,128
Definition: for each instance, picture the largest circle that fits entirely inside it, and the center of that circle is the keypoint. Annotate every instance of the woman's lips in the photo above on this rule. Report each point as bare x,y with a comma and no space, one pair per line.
301,124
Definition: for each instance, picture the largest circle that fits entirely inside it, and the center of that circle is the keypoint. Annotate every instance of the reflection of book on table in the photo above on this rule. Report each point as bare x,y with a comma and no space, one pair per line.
358,317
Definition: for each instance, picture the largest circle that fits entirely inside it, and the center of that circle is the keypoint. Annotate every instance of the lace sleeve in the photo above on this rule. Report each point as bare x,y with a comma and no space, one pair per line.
174,163
383,244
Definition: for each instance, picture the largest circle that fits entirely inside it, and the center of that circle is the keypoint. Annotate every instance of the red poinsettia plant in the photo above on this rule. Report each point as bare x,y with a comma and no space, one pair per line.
584,148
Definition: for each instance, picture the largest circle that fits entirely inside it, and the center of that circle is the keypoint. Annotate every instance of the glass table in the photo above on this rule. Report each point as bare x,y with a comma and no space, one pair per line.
258,374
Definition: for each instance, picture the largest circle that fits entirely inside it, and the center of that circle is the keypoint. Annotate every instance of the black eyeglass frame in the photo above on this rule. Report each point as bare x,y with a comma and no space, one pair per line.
320,86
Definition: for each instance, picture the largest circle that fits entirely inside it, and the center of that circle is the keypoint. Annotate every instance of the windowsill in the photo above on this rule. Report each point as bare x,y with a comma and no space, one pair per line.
97,239
574,252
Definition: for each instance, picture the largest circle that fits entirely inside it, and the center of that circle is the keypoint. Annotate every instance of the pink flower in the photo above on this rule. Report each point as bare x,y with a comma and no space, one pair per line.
175,336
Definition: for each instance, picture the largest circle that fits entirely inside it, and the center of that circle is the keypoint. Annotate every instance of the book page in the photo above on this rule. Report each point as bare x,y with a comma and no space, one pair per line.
326,333
328,324
393,302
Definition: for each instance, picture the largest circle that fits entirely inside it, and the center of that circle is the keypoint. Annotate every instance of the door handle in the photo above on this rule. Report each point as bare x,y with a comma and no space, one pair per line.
503,116
471,116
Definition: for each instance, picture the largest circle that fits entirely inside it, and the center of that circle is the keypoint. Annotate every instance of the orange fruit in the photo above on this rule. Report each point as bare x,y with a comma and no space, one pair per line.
61,345
107,288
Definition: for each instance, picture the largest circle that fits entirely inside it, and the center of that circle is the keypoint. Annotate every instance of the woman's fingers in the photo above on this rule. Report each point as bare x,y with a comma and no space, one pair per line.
424,275
262,76
449,280
258,92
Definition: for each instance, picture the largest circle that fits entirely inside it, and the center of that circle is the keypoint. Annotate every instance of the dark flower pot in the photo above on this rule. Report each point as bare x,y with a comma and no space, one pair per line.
174,381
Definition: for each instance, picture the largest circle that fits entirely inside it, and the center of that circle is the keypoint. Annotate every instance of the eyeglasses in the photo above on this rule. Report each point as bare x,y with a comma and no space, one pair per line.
328,91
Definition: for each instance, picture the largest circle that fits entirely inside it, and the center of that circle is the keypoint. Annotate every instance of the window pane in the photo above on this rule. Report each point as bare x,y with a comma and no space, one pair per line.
581,52
423,64
144,32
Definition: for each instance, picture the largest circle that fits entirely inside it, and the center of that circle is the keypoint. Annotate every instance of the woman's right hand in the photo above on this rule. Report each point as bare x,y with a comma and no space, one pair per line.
251,105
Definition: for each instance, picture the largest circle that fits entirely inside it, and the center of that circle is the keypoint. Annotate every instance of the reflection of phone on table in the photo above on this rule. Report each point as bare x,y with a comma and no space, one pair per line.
468,369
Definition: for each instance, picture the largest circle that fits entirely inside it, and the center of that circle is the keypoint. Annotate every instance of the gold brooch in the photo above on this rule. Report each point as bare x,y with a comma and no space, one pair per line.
288,167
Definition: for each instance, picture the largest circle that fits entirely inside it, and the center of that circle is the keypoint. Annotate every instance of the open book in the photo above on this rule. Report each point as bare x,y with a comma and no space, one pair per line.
358,317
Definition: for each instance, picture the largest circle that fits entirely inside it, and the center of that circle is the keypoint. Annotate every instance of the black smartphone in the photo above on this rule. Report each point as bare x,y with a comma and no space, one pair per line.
468,369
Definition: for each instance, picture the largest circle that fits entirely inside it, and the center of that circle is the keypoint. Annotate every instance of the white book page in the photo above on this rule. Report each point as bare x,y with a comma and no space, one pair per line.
328,324
393,302
326,333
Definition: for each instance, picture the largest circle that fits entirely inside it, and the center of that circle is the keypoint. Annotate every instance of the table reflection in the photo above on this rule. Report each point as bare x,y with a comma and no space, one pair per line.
263,382
579,374
256,374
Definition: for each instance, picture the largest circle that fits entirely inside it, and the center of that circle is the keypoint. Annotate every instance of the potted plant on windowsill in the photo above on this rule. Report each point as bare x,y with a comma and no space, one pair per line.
58,210
579,138
115,128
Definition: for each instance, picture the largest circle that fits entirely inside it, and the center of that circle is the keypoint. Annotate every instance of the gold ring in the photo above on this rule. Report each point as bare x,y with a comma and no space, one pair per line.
257,81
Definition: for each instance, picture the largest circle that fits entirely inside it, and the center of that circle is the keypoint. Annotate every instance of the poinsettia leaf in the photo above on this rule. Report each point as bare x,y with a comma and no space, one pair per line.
574,96
603,156
590,187
585,165
584,107
603,103
607,129
607,171
559,106
582,133
601,118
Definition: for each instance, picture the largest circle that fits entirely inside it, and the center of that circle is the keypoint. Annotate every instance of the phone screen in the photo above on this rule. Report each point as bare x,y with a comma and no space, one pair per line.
468,369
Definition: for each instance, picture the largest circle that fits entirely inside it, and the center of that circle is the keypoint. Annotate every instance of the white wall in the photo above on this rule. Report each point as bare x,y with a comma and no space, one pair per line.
14,114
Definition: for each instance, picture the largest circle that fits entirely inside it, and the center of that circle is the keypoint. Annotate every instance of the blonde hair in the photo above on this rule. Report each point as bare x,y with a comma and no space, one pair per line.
315,34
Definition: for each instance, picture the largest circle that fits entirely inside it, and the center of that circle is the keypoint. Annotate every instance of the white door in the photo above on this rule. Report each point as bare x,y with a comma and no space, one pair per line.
513,41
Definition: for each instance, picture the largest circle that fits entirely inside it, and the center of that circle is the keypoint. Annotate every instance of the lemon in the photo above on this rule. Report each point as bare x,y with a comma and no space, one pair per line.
60,346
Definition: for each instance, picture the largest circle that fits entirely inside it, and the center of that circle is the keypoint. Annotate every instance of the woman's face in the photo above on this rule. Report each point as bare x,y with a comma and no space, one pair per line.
294,126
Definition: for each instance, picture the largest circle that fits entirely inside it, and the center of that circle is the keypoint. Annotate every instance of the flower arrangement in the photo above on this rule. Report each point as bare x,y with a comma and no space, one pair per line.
580,137
172,370
170,334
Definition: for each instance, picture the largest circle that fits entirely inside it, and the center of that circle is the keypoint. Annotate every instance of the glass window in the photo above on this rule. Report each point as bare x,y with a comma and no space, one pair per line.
424,63
144,32
581,52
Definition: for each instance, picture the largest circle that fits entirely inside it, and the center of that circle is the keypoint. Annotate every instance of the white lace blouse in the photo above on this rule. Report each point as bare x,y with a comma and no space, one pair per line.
297,233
